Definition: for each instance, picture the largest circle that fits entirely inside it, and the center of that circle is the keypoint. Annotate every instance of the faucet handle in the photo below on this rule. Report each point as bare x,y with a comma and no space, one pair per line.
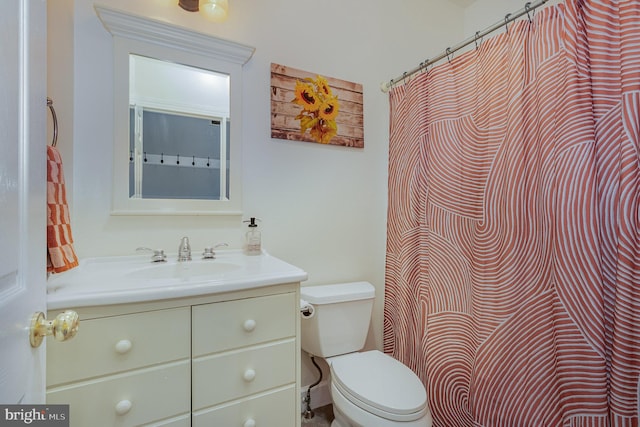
158,254
209,251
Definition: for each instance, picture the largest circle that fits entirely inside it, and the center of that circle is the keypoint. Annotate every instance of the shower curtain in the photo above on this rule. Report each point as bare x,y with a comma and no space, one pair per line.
513,251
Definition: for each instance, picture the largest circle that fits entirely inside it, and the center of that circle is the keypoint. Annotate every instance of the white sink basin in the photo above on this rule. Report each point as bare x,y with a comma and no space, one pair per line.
183,270
116,280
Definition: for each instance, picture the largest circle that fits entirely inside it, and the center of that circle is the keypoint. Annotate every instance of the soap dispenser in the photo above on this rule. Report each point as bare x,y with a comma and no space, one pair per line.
253,239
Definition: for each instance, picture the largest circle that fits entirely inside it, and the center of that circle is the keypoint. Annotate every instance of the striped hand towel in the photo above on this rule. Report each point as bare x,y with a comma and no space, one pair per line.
60,253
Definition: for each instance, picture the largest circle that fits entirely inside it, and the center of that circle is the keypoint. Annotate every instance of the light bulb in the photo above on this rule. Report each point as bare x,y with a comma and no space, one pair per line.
214,10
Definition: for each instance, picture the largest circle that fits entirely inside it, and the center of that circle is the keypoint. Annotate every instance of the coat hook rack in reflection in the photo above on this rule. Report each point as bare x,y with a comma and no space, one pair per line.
55,121
175,160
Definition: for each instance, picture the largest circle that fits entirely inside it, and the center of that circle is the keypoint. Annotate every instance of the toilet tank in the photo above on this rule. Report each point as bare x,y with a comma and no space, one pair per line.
340,323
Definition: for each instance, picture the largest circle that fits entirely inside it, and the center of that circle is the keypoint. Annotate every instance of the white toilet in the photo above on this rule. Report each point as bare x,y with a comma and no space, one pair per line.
368,389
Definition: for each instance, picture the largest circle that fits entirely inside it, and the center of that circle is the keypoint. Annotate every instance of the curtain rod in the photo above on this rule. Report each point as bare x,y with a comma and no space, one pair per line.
510,17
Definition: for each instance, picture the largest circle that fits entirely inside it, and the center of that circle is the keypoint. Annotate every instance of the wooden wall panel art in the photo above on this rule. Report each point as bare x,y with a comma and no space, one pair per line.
314,108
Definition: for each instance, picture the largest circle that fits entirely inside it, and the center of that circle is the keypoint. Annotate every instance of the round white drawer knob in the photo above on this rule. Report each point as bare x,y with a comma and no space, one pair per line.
249,375
249,423
249,325
123,407
123,346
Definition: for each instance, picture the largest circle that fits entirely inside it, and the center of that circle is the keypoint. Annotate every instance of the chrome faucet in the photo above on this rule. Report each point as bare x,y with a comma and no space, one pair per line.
184,250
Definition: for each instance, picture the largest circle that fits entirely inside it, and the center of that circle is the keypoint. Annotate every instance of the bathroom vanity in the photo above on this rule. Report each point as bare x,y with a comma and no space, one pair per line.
208,345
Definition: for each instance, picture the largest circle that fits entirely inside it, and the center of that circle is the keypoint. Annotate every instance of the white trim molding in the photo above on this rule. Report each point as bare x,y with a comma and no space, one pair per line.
142,28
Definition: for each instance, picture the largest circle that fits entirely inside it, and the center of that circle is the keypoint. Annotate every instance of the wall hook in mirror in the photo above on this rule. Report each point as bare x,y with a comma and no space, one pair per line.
161,157
131,155
145,157
193,162
207,161
178,159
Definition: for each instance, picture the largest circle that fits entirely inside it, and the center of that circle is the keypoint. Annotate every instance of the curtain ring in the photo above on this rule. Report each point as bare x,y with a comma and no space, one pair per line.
506,21
527,8
404,78
476,39
448,51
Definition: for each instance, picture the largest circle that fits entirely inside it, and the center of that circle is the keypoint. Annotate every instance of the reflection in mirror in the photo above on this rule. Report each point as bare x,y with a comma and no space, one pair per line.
178,116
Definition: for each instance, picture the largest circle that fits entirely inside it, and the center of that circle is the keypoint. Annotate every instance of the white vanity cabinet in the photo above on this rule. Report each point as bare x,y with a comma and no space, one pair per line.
230,359
129,369
244,362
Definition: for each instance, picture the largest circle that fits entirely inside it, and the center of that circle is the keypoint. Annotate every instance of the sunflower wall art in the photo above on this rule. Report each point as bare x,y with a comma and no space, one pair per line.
314,108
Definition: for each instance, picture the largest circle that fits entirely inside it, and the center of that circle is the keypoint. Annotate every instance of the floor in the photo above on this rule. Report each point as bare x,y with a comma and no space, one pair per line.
322,417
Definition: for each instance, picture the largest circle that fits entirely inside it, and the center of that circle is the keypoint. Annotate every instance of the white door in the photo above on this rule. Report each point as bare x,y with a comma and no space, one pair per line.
23,111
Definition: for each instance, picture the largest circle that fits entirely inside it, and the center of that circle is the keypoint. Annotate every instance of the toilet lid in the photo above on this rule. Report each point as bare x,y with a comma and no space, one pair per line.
373,380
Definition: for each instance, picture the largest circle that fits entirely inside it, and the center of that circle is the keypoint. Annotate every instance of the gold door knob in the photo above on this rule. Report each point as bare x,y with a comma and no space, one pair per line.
63,327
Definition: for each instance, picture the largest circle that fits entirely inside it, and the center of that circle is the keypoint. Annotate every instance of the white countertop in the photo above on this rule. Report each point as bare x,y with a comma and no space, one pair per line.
130,279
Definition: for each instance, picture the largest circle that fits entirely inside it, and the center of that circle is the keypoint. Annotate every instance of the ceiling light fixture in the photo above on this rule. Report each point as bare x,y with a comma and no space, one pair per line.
213,10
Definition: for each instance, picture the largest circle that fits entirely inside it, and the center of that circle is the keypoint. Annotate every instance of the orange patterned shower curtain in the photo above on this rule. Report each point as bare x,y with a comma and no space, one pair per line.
513,253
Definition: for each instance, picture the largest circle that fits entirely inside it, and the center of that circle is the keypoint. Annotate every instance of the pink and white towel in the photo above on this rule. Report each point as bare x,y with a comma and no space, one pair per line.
60,253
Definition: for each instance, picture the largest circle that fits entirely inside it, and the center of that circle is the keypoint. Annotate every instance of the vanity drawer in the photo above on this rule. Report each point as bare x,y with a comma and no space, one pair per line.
269,409
232,324
115,344
154,394
230,375
181,421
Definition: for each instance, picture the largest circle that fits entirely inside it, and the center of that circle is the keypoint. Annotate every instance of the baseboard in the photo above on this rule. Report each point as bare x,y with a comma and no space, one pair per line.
320,395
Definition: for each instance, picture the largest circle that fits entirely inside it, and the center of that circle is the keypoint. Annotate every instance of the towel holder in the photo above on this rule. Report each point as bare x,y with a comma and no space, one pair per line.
55,121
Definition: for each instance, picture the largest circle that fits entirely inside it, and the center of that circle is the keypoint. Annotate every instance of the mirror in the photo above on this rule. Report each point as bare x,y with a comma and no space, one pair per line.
177,118
178,131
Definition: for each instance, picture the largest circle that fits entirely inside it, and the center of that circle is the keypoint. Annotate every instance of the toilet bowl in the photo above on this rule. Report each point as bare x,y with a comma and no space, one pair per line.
368,389
374,389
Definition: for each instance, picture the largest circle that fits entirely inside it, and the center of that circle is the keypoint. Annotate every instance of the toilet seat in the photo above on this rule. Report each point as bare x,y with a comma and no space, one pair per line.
379,384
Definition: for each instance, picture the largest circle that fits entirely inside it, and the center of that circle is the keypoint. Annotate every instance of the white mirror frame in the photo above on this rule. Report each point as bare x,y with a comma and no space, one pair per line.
133,34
